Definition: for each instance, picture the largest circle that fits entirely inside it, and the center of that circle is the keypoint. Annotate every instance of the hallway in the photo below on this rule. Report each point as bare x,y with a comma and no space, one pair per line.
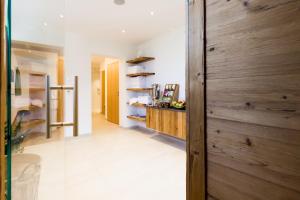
136,164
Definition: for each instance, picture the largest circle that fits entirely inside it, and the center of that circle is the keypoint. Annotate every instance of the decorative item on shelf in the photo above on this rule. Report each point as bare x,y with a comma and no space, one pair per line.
170,93
155,94
180,105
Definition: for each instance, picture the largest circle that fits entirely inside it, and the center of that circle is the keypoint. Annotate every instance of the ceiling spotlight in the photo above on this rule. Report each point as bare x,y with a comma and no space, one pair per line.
152,13
123,31
45,24
61,16
119,2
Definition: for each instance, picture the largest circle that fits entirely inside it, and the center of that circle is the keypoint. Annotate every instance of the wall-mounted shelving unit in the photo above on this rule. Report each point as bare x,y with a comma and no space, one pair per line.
133,62
141,74
138,105
137,118
139,89
139,60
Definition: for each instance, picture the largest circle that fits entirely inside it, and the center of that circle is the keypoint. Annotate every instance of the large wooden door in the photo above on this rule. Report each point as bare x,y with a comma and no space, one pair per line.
103,93
113,92
253,99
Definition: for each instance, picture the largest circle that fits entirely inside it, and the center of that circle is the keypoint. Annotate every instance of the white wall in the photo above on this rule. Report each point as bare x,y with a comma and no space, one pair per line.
169,64
78,52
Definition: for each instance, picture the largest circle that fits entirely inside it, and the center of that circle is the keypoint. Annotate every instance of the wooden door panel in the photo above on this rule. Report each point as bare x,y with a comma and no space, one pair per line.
103,93
113,93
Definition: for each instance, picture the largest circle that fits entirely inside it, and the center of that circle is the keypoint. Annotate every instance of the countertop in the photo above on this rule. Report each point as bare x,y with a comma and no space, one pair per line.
171,109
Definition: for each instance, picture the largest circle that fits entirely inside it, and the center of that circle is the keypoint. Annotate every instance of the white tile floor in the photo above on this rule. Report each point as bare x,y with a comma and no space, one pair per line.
112,164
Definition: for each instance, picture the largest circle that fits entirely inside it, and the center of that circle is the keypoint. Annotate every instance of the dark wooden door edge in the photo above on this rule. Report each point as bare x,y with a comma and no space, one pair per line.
196,100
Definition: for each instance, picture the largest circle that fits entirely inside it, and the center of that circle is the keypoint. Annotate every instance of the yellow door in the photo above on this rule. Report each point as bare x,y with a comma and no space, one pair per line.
113,92
103,92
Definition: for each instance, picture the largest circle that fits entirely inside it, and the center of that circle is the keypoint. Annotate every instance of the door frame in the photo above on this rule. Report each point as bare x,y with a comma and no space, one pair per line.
3,90
196,174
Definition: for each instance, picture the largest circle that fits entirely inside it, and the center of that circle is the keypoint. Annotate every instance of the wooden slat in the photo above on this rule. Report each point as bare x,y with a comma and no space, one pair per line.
196,177
141,74
226,183
232,144
261,100
140,60
262,53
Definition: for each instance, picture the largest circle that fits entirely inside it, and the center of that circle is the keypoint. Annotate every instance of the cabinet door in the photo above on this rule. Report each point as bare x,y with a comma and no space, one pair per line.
181,132
169,122
153,119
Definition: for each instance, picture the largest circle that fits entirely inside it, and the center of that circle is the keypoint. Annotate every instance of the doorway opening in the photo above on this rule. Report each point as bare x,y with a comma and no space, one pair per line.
105,90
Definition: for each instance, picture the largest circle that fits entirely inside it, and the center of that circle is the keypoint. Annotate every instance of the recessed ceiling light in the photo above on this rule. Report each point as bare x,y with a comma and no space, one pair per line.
45,24
61,16
123,31
119,2
152,13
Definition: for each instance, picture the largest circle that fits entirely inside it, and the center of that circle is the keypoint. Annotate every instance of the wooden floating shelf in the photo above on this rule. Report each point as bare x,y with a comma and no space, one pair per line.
37,73
139,89
137,118
31,124
31,108
141,74
139,105
140,60
37,89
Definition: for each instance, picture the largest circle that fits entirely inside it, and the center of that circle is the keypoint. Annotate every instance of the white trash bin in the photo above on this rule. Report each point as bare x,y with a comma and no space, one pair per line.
26,169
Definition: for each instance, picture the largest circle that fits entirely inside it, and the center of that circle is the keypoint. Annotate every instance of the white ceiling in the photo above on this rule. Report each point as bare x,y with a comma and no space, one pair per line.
101,18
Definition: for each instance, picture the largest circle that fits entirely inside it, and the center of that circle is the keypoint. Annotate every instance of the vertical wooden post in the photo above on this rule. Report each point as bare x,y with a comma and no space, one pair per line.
196,106
48,117
75,112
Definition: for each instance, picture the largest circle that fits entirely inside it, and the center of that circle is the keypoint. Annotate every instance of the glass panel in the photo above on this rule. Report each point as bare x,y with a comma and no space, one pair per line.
37,158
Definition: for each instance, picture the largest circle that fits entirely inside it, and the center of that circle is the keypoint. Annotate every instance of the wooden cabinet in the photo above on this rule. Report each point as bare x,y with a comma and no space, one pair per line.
167,121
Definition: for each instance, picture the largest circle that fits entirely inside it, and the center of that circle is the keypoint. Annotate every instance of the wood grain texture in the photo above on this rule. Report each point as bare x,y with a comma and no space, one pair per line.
253,99
3,104
195,91
141,74
169,122
113,93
